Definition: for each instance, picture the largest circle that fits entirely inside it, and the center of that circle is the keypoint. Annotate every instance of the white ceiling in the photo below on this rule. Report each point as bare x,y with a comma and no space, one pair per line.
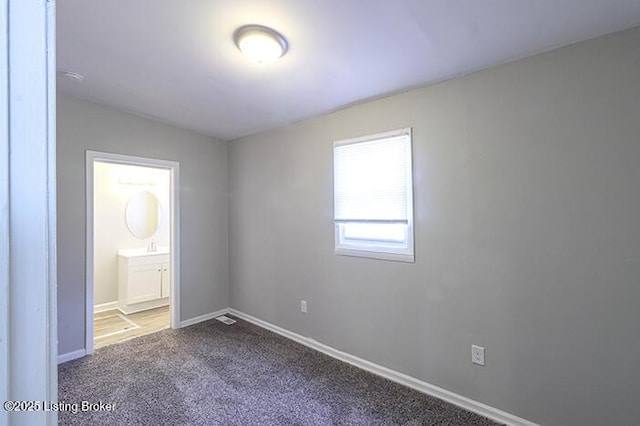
175,60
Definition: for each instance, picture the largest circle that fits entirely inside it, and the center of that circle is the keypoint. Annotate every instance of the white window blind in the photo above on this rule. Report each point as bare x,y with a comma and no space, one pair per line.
372,179
373,197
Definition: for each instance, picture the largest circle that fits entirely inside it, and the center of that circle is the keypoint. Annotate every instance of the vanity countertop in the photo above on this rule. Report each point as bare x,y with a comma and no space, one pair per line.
138,252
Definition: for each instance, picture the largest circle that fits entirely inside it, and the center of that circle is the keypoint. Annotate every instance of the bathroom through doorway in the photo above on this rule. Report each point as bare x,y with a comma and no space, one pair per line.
132,251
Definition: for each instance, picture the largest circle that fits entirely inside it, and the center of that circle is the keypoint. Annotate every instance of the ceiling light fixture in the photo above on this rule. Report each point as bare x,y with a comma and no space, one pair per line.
259,43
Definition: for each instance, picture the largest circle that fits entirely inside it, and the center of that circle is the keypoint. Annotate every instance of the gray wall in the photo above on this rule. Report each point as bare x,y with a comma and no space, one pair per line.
527,202
204,237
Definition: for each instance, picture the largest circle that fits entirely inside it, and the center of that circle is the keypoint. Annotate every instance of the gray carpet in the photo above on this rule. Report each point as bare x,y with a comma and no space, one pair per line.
214,374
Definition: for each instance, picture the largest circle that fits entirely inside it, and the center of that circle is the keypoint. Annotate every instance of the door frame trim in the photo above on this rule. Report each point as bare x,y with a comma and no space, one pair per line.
28,266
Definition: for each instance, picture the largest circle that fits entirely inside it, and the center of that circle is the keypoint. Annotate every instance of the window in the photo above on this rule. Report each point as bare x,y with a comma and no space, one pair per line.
373,197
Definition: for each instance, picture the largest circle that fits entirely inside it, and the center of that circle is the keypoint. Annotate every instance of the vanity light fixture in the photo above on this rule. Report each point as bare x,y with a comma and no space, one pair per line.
259,43
137,180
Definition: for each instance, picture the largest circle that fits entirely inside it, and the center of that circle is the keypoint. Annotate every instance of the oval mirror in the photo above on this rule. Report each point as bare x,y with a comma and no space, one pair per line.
143,214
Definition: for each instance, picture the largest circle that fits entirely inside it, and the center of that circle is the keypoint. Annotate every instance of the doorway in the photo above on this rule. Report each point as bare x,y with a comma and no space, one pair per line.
132,247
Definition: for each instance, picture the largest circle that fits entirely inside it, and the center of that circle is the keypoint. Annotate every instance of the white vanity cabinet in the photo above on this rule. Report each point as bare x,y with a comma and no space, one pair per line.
166,279
144,280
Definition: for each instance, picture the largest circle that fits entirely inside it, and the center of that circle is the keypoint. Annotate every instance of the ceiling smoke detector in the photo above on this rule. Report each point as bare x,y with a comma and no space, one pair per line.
259,43
74,76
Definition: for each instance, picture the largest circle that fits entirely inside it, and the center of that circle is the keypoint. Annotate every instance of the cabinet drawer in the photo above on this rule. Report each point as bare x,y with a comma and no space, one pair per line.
148,260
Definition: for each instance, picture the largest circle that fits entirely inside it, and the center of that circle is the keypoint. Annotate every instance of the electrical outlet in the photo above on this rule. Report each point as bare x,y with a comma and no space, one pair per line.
477,355
303,306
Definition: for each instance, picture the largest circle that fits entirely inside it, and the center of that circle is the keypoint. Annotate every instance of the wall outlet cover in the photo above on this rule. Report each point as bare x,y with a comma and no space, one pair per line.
477,355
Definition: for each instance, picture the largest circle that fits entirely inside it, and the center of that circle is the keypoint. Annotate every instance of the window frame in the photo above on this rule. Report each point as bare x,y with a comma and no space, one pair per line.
372,248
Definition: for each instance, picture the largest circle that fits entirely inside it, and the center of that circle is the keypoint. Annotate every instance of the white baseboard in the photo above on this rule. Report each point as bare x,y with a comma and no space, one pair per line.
71,356
424,387
143,306
205,317
105,307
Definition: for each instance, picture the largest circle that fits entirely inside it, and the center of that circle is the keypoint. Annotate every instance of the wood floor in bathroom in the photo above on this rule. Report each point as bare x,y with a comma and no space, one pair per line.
113,326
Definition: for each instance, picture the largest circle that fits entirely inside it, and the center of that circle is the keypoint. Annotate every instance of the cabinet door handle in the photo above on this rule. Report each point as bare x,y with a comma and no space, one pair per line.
159,270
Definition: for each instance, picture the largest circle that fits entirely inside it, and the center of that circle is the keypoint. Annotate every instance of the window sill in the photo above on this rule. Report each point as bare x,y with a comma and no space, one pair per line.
395,257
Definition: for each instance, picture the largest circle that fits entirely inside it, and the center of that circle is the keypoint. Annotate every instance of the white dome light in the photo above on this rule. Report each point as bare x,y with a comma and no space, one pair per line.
260,44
